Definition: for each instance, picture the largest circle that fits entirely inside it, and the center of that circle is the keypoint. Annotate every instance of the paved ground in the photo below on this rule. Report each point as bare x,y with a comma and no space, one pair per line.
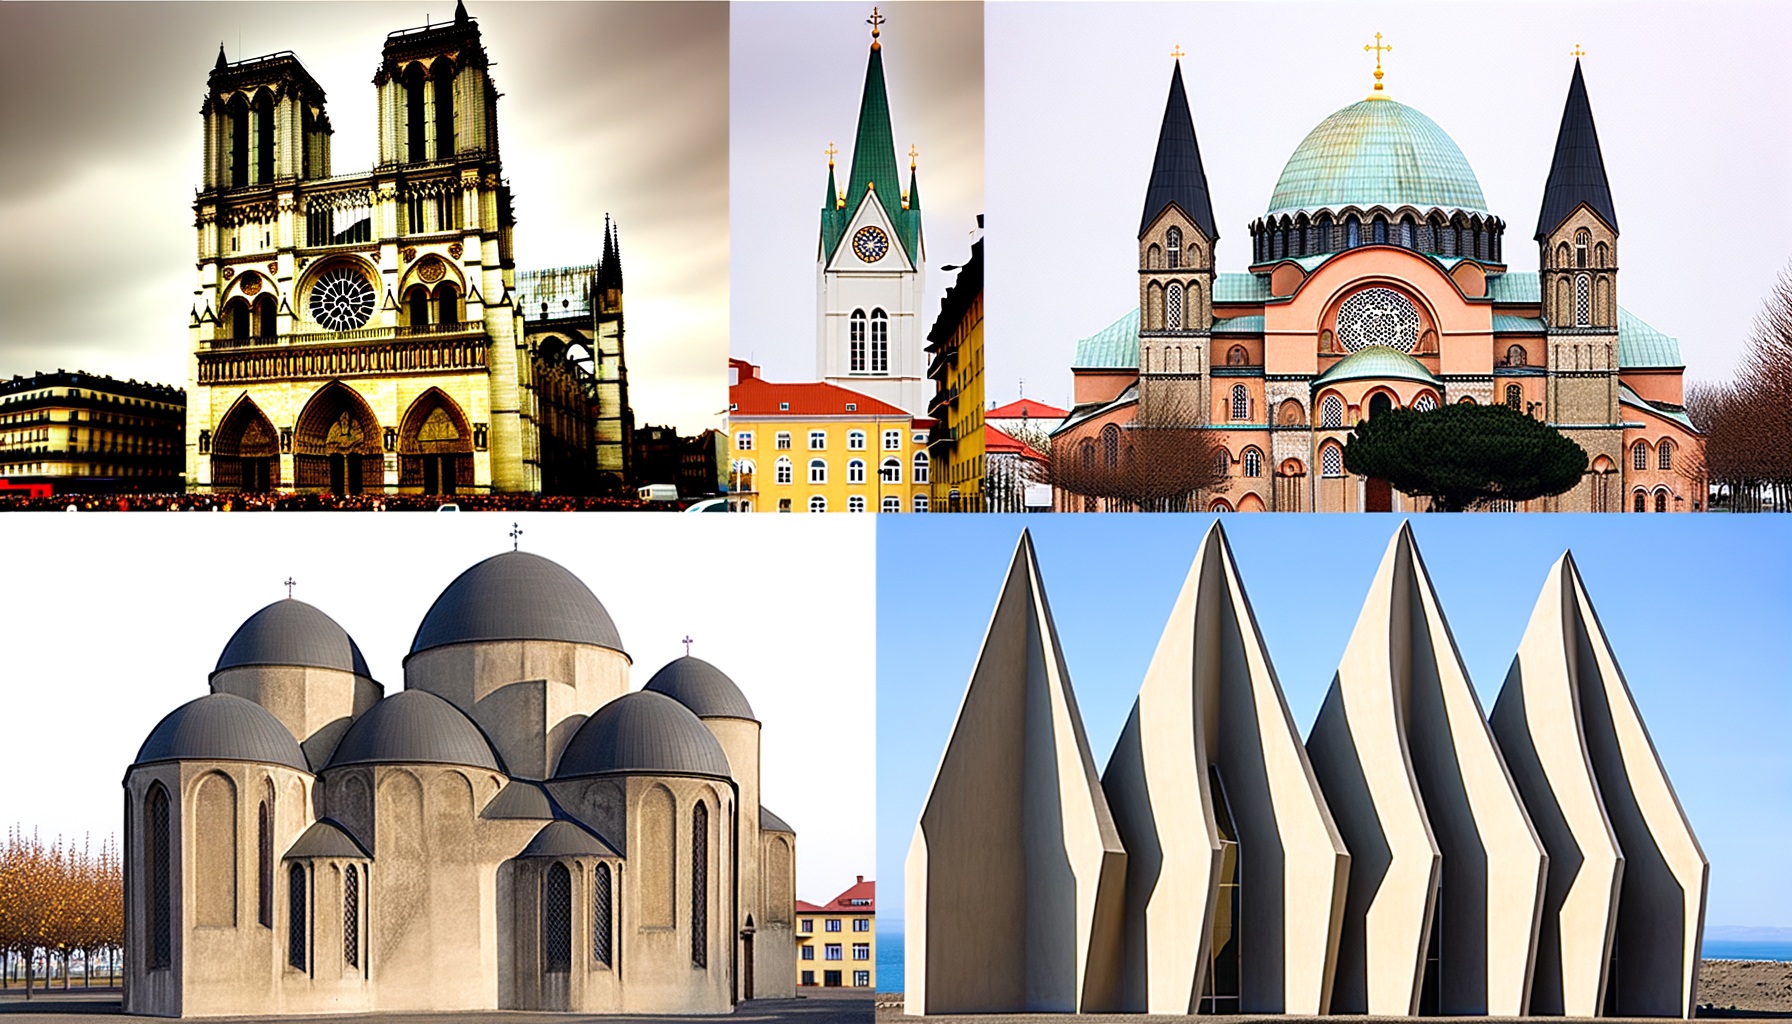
820,1006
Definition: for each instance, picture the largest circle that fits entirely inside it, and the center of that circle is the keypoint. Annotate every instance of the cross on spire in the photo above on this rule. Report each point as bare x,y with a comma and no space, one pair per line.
874,21
1577,51
687,641
830,151
912,153
290,583
515,532
1177,53
1379,50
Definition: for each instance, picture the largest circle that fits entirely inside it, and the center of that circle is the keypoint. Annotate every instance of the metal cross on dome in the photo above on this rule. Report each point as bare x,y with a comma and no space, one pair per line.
1379,50
687,644
515,532
290,583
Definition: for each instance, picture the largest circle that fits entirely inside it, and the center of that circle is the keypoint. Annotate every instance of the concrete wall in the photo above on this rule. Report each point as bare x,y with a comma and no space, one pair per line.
774,944
1015,837
317,704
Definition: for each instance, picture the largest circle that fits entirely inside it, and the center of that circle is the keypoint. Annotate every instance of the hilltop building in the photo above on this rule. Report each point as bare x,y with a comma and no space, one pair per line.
365,332
77,433
842,935
515,829
1378,280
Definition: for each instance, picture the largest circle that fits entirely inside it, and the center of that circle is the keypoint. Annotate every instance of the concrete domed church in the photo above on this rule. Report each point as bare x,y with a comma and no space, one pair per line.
1378,280
515,829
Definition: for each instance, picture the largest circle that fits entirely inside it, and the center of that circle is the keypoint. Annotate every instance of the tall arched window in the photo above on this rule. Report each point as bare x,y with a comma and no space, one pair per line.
444,83
447,305
1514,396
415,125
855,471
1110,447
1173,243
1281,244
240,326
1601,255
920,467
416,302
1381,231
1665,455
1642,502
351,916
556,919
600,915
1331,460
880,341
237,119
1639,455
1353,232
700,885
264,867
1581,240
1173,308
1224,982
1253,462
297,924
1583,301
1241,402
264,138
1406,240
857,345
160,867
1331,413
267,316
1661,501
818,471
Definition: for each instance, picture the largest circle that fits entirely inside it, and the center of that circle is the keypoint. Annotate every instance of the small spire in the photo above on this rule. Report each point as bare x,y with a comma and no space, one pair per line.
874,21
460,13
912,198
222,63
1177,53
1379,50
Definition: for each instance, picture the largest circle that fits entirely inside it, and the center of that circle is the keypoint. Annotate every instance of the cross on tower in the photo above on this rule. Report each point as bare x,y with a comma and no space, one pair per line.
515,532
830,151
290,583
912,153
874,21
1177,52
687,644
1379,50
1577,51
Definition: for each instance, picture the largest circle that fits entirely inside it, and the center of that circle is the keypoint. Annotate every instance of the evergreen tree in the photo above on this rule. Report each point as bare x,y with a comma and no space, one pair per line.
1461,455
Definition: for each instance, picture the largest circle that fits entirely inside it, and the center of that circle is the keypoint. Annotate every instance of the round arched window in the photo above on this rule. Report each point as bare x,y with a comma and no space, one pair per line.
1378,316
341,299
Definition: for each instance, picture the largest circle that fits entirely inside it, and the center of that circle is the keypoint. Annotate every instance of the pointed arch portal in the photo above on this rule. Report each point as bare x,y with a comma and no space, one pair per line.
435,446
336,446
246,450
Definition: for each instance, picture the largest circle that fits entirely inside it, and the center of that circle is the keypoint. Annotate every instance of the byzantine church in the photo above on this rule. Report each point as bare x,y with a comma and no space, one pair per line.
1378,280
514,829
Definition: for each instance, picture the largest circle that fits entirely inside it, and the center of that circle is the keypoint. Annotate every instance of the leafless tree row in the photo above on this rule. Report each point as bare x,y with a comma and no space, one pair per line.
1157,463
58,902
1748,422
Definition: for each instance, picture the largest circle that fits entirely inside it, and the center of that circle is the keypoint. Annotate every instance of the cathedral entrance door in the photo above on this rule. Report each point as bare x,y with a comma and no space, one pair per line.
338,474
1379,496
257,475
432,475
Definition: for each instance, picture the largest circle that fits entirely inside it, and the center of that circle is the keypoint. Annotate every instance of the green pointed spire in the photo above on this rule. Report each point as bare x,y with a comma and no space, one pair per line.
874,148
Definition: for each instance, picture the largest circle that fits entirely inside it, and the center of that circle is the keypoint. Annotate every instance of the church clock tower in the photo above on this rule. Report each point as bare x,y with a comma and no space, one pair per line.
871,264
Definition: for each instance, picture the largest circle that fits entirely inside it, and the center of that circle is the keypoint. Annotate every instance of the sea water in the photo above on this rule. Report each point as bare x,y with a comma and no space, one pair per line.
889,958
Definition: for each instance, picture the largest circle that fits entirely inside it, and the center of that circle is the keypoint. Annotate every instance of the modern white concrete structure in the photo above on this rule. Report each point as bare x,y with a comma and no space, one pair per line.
1411,858
1235,872
1625,906
1447,874
1015,875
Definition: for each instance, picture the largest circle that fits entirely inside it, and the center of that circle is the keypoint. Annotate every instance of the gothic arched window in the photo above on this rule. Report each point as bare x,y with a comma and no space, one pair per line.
600,915
161,871
1241,402
1173,308
1173,245
351,916
700,885
1331,413
1281,244
236,117
267,316
1406,239
1639,455
296,922
1600,255
240,326
1514,397
1253,462
416,303
880,341
1448,247
264,867
1665,455
857,335
556,919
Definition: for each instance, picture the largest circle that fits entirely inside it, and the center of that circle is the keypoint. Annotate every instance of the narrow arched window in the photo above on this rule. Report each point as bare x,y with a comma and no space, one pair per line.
416,127
556,919
1581,240
1110,447
351,916
297,924
264,139
1241,402
1406,240
1448,248
1281,244
239,320
1601,255
600,915
855,471
1381,231
920,467
880,341
856,332
1237,356
444,83
417,303
1583,301
1173,243
1514,396
1665,455
1639,455
1253,462
1331,460
782,471
818,471
1353,232
264,867
447,305
238,118
1661,501
700,885
160,867
1088,451
1642,502
1331,413
1173,308
267,317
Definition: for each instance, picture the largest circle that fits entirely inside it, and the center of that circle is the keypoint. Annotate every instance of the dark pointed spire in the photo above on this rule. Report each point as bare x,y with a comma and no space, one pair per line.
1177,175
460,13
609,271
832,198
1577,174
222,63
914,186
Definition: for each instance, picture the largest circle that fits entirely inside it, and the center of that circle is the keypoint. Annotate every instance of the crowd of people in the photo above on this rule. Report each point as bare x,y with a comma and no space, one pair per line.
286,502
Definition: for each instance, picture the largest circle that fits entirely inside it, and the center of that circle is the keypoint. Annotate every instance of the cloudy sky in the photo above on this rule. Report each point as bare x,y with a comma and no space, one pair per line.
797,72
125,616
1702,654
100,143
1691,103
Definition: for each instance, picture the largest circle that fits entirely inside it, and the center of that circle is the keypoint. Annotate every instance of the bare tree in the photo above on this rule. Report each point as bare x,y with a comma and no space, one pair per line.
1747,423
1157,463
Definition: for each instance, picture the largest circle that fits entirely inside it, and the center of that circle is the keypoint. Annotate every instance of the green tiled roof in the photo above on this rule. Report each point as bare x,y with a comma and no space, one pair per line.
1239,325
1377,152
1240,287
1629,397
1113,347
1519,287
1529,325
1377,362
1640,345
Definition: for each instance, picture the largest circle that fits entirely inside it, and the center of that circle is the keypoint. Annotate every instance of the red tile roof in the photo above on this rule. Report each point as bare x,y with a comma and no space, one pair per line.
755,396
842,904
1028,408
999,443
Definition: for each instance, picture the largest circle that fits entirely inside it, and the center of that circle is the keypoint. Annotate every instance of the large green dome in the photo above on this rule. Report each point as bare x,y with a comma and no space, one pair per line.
1377,152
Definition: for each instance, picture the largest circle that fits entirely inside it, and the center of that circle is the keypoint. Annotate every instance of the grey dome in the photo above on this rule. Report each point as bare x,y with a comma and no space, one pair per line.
516,596
643,732
702,687
292,632
769,822
327,838
565,839
222,727
414,727
521,798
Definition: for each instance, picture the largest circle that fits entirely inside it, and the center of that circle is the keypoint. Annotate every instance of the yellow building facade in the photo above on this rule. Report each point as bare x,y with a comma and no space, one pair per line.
837,941
818,447
955,346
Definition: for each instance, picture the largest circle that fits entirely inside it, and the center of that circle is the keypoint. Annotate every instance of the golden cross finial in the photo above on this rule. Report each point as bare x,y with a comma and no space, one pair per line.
874,21
1577,51
912,153
1379,50
830,152
1177,52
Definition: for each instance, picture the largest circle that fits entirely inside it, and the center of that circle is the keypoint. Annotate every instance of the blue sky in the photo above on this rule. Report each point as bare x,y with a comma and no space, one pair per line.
1696,608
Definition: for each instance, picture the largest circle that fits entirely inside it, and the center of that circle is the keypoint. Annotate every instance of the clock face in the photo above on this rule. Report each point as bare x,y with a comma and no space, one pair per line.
870,244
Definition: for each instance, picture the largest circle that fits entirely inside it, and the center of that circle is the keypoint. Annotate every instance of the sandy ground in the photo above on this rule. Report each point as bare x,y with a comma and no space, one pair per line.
1761,985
